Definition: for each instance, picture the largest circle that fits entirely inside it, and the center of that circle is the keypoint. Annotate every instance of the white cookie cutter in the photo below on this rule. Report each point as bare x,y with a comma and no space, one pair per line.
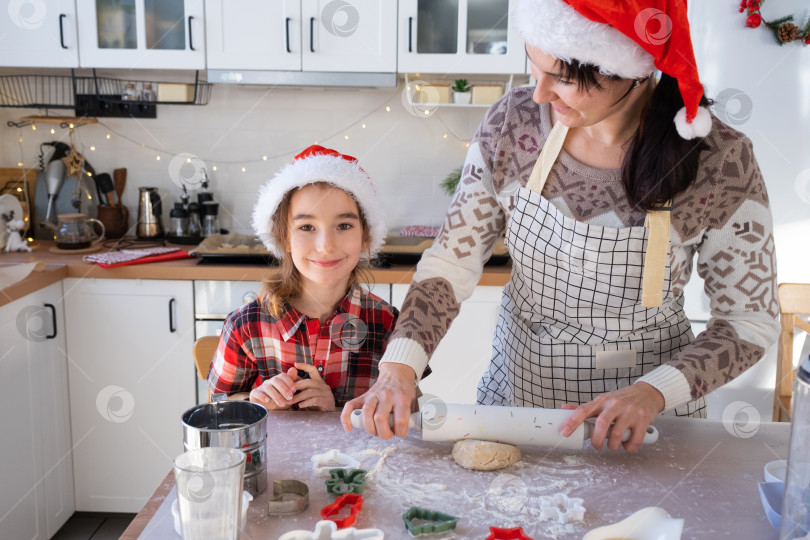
562,507
332,459
650,523
327,530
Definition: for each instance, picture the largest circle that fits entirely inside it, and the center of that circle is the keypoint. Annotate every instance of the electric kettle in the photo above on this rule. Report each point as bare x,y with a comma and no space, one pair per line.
149,213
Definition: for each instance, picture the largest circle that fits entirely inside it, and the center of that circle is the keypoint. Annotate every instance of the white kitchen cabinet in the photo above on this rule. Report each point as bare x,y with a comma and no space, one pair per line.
39,34
142,34
458,36
131,378
36,461
296,35
463,355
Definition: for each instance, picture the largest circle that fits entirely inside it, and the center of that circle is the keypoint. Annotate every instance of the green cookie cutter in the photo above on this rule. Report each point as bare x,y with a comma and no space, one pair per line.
344,481
438,522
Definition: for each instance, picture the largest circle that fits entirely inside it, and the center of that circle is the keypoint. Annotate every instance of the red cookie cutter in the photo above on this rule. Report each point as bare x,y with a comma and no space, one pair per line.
515,533
352,500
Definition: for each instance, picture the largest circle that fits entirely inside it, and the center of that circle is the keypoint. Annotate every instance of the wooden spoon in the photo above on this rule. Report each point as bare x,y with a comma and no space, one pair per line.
120,181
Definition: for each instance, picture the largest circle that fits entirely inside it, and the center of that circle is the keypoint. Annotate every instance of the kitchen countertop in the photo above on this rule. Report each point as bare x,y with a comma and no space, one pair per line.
59,266
698,470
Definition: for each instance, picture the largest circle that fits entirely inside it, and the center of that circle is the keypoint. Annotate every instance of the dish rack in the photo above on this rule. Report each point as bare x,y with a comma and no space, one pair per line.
70,91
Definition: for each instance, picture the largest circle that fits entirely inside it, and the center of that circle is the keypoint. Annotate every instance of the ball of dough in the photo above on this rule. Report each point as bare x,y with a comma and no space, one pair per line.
484,455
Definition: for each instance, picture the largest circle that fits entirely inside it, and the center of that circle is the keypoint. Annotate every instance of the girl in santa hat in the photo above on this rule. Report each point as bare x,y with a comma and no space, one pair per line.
607,178
314,337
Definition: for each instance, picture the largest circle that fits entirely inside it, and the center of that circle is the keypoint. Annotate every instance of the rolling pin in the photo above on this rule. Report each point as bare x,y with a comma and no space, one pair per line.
521,426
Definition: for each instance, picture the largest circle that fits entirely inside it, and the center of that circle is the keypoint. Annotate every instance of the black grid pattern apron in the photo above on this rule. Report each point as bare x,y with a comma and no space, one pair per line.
574,293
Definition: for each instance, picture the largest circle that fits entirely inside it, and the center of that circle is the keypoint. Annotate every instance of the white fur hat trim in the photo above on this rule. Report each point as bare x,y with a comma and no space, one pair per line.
337,171
560,31
700,126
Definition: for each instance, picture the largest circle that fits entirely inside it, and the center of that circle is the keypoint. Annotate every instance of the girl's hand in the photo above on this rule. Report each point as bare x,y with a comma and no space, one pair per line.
394,391
313,393
634,407
277,392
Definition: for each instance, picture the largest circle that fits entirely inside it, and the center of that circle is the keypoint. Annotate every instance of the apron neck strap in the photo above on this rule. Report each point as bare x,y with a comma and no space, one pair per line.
548,155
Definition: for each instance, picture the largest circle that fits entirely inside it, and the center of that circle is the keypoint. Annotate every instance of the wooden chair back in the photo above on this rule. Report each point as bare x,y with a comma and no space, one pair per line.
794,300
204,349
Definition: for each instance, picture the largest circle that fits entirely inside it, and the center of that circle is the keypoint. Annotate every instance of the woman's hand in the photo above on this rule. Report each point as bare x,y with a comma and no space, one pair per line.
395,390
632,407
276,393
313,393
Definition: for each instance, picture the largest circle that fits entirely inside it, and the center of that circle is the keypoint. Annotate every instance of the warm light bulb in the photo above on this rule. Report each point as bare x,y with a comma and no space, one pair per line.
264,158
93,148
387,108
30,239
364,126
20,139
188,160
467,145
19,164
215,167
25,218
33,127
89,173
444,136
243,169
108,135
158,158
346,137
52,131
20,189
70,126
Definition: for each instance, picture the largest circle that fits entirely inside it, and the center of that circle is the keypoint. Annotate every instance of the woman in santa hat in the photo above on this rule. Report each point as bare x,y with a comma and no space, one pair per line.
607,178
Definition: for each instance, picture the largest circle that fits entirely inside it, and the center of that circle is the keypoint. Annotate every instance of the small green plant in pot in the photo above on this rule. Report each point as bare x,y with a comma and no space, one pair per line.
461,91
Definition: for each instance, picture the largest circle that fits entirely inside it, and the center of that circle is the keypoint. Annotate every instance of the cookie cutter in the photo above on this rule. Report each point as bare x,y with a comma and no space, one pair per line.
332,459
436,521
515,533
344,481
327,530
562,507
352,500
280,505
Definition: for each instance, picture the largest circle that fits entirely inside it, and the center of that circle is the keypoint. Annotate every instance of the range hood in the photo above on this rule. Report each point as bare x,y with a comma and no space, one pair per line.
302,78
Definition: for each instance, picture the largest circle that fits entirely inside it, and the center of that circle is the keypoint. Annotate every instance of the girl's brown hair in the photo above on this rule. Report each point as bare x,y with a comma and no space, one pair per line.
286,282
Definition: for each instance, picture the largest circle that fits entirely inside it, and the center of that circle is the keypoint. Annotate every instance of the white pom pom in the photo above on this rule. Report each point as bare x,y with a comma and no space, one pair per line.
700,126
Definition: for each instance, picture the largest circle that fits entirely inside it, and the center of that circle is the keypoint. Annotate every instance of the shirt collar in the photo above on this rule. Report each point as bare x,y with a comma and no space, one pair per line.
291,319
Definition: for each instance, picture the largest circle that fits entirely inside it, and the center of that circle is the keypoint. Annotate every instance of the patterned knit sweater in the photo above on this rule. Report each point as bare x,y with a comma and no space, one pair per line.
724,217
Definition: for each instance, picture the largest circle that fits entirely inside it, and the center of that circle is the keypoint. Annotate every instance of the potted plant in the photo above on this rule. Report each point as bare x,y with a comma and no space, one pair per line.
461,92
450,183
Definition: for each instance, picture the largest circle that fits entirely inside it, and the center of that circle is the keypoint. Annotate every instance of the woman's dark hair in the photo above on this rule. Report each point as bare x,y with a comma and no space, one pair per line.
659,163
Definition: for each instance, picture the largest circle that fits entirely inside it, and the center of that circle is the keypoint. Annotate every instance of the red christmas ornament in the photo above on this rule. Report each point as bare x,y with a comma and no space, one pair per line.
753,21
807,40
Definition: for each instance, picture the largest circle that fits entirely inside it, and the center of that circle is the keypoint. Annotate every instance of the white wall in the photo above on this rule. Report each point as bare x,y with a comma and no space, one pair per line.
764,91
405,154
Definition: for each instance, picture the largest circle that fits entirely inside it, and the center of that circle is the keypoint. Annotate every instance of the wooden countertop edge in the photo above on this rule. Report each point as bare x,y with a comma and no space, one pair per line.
36,280
143,518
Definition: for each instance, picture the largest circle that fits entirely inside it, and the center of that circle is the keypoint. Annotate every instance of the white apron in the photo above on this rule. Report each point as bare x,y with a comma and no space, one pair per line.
572,323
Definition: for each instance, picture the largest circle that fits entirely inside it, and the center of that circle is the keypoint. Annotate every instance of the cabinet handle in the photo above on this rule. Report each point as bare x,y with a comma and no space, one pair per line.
410,34
190,39
287,32
62,30
312,34
53,318
172,328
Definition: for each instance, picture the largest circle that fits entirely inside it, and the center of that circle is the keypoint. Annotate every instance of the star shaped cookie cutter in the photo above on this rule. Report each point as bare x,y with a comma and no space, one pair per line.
515,533
327,530
562,507
436,521
332,459
344,481
352,500
280,504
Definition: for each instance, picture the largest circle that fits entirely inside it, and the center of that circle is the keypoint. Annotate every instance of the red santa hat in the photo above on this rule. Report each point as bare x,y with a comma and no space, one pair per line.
630,39
319,164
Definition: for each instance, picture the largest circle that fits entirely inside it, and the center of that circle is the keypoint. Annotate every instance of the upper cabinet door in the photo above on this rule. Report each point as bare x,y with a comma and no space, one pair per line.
145,34
39,34
349,36
253,34
458,36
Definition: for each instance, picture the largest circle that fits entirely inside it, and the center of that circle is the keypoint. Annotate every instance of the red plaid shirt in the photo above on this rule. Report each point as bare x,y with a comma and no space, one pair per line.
346,349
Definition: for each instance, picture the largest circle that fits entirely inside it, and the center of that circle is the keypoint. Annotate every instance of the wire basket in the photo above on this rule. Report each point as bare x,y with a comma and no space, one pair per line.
60,91
37,91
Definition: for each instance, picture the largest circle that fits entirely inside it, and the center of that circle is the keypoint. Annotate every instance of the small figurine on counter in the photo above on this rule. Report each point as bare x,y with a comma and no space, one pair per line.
15,240
314,336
